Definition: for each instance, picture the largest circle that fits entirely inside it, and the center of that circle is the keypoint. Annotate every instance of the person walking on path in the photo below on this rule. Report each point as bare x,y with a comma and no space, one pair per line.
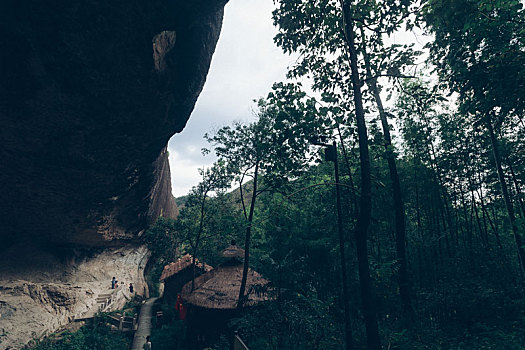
147,344
131,288
113,281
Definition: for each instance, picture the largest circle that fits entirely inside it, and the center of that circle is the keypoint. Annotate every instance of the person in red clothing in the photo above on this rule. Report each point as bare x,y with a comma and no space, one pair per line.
181,308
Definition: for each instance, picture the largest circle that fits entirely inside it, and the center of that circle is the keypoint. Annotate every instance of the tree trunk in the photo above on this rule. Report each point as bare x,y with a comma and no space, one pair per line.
442,192
346,293
399,207
240,301
491,223
465,217
422,277
506,197
363,220
197,241
456,219
353,196
517,187
481,229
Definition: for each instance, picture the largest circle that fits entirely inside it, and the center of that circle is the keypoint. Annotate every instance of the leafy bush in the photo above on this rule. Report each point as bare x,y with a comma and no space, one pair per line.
92,337
172,334
292,322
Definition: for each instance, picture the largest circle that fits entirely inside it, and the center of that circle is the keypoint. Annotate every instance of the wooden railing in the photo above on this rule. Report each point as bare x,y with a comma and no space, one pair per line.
123,323
104,300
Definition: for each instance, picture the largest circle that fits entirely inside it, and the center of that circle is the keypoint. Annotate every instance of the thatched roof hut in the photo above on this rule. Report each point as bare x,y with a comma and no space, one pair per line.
219,288
233,251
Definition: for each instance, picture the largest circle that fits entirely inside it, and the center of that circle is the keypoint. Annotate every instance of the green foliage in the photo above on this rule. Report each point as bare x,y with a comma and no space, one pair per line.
292,322
162,241
98,336
461,257
172,334
221,223
201,220
298,234
133,306
274,144
478,51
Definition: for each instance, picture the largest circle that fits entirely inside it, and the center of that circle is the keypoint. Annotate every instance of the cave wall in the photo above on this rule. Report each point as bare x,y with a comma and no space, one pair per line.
90,93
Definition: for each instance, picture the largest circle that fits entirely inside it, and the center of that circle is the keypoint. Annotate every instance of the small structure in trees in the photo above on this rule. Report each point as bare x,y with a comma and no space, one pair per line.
176,274
215,296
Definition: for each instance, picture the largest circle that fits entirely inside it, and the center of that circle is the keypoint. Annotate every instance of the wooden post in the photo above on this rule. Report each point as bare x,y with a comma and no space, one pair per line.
159,320
121,322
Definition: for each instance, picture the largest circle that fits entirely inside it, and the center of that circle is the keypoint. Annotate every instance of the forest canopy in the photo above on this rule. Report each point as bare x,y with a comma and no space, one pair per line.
416,241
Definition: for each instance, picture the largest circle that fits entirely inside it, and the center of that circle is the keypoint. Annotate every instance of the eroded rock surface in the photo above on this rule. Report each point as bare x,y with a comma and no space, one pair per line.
38,301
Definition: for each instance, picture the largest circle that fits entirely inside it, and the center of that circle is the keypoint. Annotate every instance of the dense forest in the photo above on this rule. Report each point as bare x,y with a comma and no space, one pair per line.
380,187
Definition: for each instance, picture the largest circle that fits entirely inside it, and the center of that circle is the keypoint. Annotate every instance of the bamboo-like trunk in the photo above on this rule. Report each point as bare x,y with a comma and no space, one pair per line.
197,241
241,300
516,187
365,203
506,197
399,206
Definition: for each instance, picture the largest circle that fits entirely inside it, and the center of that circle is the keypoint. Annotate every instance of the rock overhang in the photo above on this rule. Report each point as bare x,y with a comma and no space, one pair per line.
87,106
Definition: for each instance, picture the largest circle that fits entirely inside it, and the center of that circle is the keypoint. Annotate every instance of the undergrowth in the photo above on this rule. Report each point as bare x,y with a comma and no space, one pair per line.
96,336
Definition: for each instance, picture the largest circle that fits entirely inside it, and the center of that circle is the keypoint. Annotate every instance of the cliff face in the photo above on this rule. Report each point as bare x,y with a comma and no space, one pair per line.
43,292
90,93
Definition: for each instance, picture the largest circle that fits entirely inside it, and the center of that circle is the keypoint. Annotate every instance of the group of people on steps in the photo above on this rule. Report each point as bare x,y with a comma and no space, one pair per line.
115,284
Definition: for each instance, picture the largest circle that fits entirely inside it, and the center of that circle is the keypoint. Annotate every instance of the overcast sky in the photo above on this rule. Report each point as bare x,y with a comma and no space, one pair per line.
245,65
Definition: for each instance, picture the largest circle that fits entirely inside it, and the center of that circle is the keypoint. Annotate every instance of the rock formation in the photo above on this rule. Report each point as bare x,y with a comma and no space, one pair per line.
90,93
39,295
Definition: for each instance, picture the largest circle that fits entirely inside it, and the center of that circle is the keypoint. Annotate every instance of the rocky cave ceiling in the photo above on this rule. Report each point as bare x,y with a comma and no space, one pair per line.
90,93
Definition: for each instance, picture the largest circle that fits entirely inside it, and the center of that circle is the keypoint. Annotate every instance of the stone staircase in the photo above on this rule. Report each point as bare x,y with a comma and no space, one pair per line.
104,302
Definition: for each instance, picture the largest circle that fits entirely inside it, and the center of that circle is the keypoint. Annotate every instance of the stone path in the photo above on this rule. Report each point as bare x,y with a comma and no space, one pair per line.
144,326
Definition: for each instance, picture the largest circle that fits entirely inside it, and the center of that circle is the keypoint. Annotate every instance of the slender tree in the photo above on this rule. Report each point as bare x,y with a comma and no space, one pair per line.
254,150
404,283
213,179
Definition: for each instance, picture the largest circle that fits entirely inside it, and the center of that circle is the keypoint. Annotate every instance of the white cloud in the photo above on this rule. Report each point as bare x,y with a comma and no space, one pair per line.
184,170
245,65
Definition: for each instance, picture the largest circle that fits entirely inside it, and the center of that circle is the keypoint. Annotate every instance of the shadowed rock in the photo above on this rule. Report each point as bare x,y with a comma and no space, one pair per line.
90,93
